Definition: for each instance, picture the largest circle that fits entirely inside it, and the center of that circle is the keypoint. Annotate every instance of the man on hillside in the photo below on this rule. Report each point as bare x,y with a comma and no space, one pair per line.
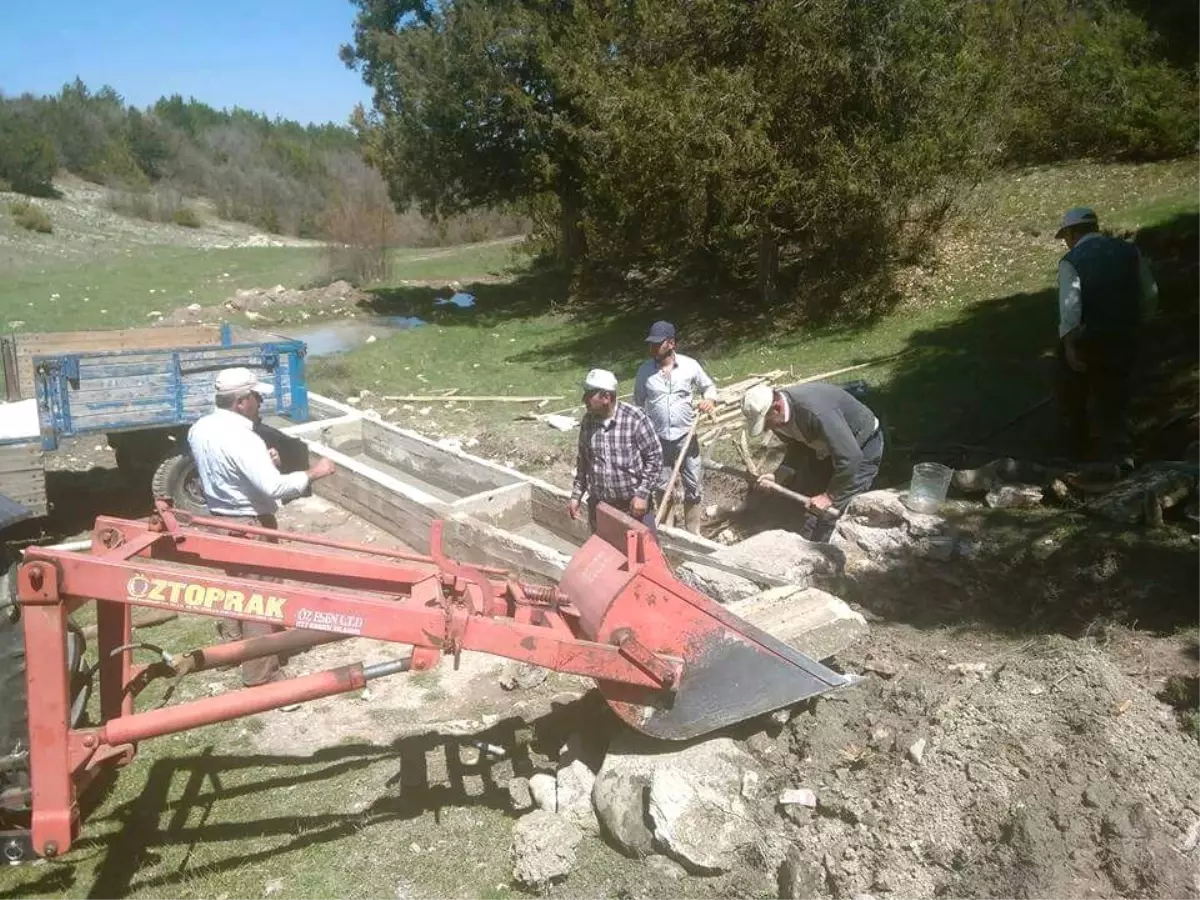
242,483
619,460
833,445
1105,293
664,387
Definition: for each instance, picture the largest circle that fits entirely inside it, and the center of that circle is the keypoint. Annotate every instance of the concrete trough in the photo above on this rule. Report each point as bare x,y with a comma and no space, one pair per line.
401,481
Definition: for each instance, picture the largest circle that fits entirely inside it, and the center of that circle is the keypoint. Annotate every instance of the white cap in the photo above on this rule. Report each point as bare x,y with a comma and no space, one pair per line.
755,406
242,381
600,380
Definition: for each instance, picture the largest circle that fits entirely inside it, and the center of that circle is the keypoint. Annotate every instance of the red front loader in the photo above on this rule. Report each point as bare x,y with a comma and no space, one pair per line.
670,662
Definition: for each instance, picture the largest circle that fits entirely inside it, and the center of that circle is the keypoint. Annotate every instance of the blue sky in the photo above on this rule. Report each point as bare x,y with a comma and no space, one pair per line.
277,57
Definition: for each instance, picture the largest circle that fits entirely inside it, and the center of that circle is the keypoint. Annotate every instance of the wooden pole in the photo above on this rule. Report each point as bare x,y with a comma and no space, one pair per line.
467,398
669,494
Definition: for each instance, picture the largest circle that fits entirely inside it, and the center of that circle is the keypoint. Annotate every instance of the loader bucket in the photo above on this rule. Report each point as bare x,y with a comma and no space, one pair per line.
620,582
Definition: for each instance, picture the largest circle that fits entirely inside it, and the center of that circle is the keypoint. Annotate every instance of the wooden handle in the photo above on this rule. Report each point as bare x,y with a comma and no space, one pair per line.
772,487
670,491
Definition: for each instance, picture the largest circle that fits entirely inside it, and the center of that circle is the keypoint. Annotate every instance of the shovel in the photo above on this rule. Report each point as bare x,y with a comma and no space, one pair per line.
771,487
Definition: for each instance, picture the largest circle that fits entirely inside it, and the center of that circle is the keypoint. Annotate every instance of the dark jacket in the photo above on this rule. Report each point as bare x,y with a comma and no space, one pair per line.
833,424
1110,289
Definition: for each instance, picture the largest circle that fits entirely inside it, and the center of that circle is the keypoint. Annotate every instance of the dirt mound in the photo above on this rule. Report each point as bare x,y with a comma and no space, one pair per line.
269,304
1046,774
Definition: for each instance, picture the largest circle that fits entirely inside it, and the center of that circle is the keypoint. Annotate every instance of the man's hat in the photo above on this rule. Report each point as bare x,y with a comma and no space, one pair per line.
659,332
1077,215
242,381
600,380
755,406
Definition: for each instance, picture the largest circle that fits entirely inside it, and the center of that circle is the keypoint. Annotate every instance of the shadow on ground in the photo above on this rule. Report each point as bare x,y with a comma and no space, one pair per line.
969,390
613,315
76,498
1038,571
427,775
982,386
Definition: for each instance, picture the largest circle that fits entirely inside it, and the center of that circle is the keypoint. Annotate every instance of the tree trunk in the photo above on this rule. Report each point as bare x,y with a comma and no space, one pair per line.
768,266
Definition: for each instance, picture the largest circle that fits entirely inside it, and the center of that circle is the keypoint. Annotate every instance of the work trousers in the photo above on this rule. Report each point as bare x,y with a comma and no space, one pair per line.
266,668
1094,404
812,475
689,472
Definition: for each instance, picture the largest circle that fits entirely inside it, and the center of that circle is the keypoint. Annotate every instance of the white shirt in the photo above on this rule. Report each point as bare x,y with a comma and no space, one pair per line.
666,396
1070,299
235,467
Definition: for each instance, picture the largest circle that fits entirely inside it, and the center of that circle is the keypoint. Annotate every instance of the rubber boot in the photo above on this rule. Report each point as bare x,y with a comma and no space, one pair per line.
692,514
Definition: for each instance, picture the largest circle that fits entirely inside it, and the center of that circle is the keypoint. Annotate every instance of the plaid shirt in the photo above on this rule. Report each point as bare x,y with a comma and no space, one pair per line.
619,458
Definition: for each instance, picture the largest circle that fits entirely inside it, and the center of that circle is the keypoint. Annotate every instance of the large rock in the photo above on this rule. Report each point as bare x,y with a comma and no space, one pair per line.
543,848
724,587
782,554
696,804
575,784
1141,498
879,526
543,787
808,619
619,794
878,509
998,473
1014,496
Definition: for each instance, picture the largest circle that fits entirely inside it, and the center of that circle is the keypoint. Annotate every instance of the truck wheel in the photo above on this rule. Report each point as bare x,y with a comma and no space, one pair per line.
177,479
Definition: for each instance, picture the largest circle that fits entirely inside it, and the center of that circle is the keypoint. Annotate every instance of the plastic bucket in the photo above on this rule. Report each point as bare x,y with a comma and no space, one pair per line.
927,490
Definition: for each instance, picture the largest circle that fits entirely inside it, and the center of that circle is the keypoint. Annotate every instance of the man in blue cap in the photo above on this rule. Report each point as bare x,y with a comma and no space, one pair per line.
1105,293
664,387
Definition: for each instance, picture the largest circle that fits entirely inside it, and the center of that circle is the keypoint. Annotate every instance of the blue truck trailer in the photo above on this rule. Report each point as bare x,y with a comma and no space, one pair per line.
140,388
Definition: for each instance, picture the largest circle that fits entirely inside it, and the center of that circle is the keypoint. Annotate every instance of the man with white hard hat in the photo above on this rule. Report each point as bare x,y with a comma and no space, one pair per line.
1105,293
831,437
620,459
242,482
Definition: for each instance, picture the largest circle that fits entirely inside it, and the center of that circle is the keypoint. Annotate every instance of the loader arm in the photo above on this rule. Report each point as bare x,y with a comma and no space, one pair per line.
669,661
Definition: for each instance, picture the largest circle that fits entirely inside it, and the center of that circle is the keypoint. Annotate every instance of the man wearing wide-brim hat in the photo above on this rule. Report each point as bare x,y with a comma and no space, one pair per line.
1106,292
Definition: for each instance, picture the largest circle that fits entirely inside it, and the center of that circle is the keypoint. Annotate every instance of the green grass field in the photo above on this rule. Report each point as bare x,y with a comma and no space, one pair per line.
122,290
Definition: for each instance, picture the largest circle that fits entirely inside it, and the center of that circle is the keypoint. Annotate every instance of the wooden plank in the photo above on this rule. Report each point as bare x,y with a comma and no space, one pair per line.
22,476
17,464
53,343
28,448
428,462
109,420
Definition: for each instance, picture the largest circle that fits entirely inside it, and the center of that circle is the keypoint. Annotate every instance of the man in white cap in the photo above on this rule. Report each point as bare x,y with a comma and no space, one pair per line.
619,460
833,445
242,481
663,387
1105,293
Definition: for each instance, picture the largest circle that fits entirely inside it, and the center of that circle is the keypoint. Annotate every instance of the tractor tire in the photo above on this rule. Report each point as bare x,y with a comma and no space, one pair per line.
178,480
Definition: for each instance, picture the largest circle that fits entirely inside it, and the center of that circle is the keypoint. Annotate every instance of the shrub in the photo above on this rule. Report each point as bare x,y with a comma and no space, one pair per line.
30,217
27,158
187,217
161,205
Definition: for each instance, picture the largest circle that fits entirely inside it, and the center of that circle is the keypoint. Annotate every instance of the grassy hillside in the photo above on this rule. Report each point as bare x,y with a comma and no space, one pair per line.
977,326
